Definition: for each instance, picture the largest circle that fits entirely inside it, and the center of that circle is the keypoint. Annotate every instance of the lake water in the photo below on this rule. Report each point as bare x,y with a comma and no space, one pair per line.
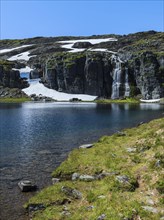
36,137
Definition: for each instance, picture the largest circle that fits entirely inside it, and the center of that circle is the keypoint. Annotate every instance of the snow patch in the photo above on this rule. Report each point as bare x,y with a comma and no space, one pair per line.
15,48
22,56
69,43
150,100
38,88
26,69
102,50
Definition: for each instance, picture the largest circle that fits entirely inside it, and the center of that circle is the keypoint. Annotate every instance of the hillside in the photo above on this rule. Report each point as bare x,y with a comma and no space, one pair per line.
120,177
106,66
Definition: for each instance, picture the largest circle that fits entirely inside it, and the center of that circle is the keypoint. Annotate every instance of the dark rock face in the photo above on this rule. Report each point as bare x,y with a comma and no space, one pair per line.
11,78
82,45
147,75
105,75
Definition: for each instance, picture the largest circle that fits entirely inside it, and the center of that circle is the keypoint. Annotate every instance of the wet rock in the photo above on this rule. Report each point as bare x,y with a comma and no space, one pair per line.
150,209
26,186
86,146
71,192
101,217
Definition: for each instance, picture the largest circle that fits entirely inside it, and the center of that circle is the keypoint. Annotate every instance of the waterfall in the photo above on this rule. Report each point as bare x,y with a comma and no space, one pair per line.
127,87
116,78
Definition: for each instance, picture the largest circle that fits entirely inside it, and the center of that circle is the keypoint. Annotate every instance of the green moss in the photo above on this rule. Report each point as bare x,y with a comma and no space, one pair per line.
126,100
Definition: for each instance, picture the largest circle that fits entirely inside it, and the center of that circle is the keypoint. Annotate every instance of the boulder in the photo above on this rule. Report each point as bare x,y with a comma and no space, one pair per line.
86,178
26,186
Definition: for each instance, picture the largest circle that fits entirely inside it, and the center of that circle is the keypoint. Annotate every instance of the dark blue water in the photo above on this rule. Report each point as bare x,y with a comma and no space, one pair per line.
36,137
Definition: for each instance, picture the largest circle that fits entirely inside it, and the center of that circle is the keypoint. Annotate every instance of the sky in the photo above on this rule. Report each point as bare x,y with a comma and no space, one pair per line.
32,18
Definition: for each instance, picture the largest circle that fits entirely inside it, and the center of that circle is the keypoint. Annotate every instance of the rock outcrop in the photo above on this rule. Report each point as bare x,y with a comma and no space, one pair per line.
106,75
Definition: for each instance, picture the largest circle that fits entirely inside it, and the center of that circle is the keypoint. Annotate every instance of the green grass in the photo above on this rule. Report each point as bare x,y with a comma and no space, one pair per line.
126,100
108,196
14,100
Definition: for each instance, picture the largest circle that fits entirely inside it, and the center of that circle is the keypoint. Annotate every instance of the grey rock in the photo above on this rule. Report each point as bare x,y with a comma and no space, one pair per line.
101,217
26,186
90,207
35,207
66,213
150,209
75,176
121,133
87,178
123,179
55,180
71,192
84,146
131,149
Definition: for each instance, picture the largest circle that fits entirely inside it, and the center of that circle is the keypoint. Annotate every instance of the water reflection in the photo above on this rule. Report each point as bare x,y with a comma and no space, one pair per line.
36,137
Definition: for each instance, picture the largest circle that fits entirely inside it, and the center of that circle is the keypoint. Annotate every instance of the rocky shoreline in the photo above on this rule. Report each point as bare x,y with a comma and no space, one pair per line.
121,166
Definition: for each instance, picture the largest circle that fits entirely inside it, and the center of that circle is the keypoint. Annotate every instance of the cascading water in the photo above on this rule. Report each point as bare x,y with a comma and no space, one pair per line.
127,87
116,78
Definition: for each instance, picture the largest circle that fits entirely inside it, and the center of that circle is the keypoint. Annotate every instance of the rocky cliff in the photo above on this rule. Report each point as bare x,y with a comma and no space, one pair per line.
131,65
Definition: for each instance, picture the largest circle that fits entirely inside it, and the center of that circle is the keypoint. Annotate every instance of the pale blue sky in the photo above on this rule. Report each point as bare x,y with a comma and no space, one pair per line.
29,18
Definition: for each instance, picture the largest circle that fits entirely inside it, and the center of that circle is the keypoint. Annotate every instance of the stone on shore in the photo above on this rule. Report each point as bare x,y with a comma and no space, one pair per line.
86,146
26,186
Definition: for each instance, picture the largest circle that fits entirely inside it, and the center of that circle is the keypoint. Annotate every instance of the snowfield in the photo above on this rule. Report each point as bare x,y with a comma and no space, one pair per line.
15,48
69,43
39,89
22,56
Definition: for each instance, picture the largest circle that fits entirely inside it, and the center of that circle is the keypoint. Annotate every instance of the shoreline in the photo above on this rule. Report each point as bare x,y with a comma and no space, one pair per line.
92,169
100,101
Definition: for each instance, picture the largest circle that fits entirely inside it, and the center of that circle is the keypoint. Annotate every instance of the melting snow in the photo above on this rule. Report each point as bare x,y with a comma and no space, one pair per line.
26,69
38,88
69,43
21,56
150,100
102,50
15,48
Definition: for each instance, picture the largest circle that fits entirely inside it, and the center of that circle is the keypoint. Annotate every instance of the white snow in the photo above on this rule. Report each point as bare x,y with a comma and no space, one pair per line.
38,88
102,50
15,48
22,56
26,69
92,41
150,100
69,43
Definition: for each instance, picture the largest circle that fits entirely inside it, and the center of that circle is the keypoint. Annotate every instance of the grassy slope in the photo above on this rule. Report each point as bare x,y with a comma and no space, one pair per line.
107,196
14,100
